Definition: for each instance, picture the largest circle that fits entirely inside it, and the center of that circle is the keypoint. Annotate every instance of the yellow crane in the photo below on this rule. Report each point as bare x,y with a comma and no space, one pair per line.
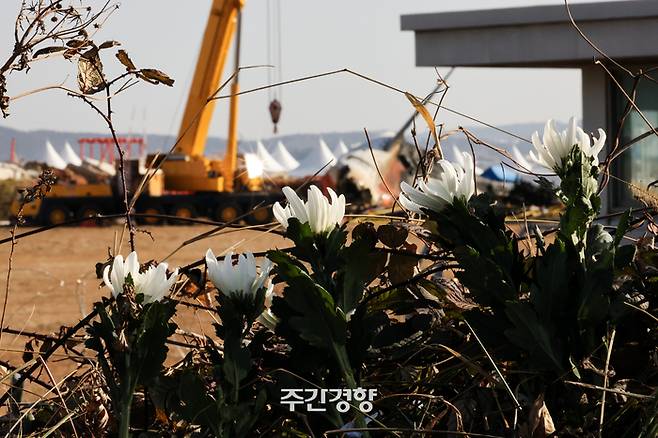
190,184
188,169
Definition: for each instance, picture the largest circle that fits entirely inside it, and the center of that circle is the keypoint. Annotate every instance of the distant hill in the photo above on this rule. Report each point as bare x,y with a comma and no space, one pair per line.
30,144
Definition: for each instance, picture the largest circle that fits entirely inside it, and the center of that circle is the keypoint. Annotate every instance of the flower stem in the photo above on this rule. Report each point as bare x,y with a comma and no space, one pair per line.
126,404
348,375
124,426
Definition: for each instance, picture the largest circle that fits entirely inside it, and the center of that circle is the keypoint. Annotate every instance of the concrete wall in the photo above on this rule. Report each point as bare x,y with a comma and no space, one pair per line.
545,45
597,112
531,15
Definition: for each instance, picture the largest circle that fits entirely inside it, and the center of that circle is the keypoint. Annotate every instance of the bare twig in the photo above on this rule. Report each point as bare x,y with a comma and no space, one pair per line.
56,345
591,43
410,431
611,390
378,82
641,310
630,100
59,393
509,390
122,172
47,21
605,380
38,191
27,411
379,172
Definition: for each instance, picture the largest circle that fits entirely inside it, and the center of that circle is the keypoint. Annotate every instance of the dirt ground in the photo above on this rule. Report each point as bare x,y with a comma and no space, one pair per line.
53,280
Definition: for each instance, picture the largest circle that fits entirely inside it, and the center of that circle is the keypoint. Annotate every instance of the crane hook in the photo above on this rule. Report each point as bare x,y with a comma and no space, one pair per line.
275,113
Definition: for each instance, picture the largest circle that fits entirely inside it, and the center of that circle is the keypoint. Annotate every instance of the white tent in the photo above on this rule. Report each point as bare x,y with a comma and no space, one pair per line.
104,167
270,165
340,150
316,160
254,165
284,158
69,155
52,158
14,171
325,156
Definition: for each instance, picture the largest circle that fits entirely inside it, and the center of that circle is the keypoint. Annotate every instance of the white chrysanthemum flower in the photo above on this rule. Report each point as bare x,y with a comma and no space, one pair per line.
555,146
321,214
152,283
452,182
242,278
120,270
267,318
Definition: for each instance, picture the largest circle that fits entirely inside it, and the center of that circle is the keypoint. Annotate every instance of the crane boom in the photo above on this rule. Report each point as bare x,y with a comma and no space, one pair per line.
221,26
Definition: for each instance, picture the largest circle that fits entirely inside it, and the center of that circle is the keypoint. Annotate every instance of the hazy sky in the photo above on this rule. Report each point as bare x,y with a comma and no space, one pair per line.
318,36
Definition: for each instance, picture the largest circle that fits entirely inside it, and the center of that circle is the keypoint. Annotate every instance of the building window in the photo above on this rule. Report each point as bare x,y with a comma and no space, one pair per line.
639,164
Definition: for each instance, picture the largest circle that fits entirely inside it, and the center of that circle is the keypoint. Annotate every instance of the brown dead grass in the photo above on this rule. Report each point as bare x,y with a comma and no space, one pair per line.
53,282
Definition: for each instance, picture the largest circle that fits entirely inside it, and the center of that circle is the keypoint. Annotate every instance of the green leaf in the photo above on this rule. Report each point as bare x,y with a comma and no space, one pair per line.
389,300
103,329
594,303
150,350
624,256
486,279
355,275
622,226
332,246
456,226
363,328
579,192
534,336
249,414
316,321
301,235
313,309
488,211
492,330
592,292
491,265
286,266
599,251
237,312
323,252
237,363
197,407
550,291
401,334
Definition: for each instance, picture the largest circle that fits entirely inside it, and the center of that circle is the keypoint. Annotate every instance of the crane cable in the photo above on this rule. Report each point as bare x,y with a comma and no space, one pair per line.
274,59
